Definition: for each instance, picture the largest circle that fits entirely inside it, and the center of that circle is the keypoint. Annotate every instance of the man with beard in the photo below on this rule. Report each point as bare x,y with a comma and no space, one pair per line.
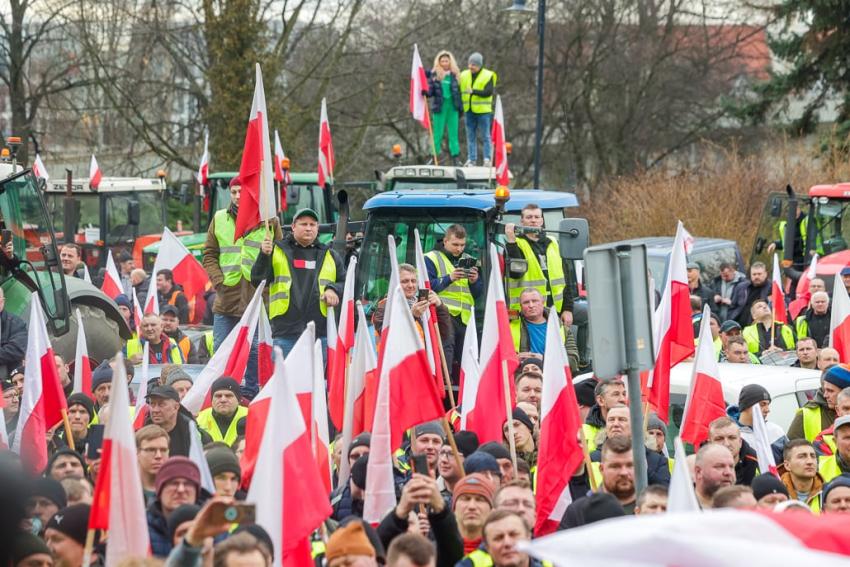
748,292
714,468
724,431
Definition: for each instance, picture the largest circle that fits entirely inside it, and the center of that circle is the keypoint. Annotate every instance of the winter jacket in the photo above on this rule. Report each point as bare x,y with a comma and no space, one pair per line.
743,298
344,505
443,527
179,440
718,285
747,466
158,530
813,496
706,294
13,343
657,466
435,92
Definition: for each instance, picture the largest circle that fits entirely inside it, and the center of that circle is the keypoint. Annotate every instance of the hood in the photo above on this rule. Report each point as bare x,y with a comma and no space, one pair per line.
594,417
735,413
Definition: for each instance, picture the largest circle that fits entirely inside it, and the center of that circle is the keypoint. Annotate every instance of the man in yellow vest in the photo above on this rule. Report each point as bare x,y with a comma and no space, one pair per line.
228,264
766,335
609,393
839,463
304,277
801,476
819,412
222,420
544,268
477,89
163,349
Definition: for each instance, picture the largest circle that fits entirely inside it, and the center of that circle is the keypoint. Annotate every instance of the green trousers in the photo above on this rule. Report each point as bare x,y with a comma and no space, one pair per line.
448,117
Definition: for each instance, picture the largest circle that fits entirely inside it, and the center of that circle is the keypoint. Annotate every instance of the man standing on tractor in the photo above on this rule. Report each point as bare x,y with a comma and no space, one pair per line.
477,89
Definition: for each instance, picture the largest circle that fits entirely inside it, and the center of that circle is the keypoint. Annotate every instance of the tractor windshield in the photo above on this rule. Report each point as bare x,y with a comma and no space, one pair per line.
119,229
834,231
22,212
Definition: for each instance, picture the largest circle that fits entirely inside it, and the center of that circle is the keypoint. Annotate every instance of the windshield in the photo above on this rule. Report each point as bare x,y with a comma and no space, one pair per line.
23,213
118,229
834,232
89,212
309,197
435,184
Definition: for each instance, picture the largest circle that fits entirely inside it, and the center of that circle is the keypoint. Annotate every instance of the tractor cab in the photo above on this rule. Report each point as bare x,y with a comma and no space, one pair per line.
437,178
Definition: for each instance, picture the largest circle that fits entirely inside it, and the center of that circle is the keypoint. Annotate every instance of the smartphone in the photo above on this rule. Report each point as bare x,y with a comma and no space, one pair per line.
419,464
423,295
94,441
236,513
6,235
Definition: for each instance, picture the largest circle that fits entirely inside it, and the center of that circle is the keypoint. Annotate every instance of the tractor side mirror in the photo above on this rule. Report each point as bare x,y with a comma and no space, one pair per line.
133,213
573,238
776,207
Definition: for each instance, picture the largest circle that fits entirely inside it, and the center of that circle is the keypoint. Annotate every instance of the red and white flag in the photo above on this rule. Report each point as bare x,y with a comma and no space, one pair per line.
681,496
188,272
196,454
777,296
839,323
257,203
326,149
363,366
95,175
319,433
141,413
429,318
688,241
43,400
287,476
391,290
674,330
559,451
229,359
803,291
82,364
4,435
761,443
204,168
340,343
111,280
500,147
117,498
86,274
470,371
265,350
497,357
137,311
278,158
705,401
419,83
38,168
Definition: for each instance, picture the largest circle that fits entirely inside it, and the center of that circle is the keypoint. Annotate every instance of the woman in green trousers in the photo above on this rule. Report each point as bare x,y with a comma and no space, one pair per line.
446,103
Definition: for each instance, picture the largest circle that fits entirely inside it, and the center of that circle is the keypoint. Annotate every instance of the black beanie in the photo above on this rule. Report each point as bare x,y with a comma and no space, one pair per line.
750,395
496,449
358,471
183,513
586,392
522,417
26,544
226,383
767,483
223,460
49,488
598,506
80,399
72,521
258,532
61,452
467,442
362,440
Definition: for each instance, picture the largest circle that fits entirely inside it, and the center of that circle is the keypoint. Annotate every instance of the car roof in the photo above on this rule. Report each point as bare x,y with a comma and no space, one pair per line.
661,245
778,380
479,199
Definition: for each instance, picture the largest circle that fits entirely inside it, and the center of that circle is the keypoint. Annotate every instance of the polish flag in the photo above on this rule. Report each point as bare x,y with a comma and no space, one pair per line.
681,496
363,366
196,454
111,281
559,451
500,148
470,371
319,433
95,175
761,444
117,497
688,241
43,400
137,311
391,289
141,413
82,364
419,83
86,274
287,476
326,148
839,323
803,292
340,343
777,297
278,158
485,411
705,401
188,272
4,435
265,351
204,168
229,359
257,203
429,319
673,327
38,168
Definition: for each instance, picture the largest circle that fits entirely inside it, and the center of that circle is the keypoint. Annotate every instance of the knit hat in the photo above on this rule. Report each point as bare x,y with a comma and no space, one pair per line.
16,371
235,181
362,440
258,532
177,376
476,59
654,422
496,449
49,488
226,383
123,300
350,540
80,399
520,415
838,375
60,453
429,428
840,480
183,513
586,392
372,534
750,395
467,442
177,467
358,471
72,521
6,385
531,360
475,483
767,483
25,544
480,462
598,506
223,460
101,375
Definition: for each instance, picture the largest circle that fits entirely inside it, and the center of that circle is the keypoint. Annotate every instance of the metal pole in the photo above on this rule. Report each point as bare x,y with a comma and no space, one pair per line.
633,385
538,131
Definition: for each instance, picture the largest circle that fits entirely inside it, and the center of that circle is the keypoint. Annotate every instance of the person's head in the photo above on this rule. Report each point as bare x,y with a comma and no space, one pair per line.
65,535
714,326
693,274
164,405
46,497
411,550
80,413
349,546
10,399
101,383
769,490
225,393
164,280
657,430
816,285
17,377
180,521
820,302
485,464
29,550
241,550
610,392
523,431
827,356
725,431
842,402
735,496
617,422
407,280
151,448
713,469
502,532
532,411
753,396
472,500
69,256
180,381
531,304
836,495
531,364
454,241
842,437
170,318
62,368
235,190
503,457
138,276
475,62
427,440
239,446
652,500
727,271
152,327
531,215
760,311
758,273
737,351
729,329
447,464
834,379
517,496
800,459
225,470
529,388
359,446
77,490
617,467
177,482
66,463
126,263
444,62
807,351
124,307
305,227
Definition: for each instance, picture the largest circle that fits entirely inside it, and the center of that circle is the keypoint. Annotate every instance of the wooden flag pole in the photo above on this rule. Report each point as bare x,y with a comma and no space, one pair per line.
451,439
89,547
69,439
587,462
431,131
509,414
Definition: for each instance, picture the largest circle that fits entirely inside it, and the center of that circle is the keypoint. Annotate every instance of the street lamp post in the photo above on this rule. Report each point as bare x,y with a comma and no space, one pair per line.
519,7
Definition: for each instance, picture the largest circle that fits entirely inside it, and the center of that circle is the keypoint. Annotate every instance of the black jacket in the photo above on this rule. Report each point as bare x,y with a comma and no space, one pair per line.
743,297
179,440
657,466
747,466
177,298
706,293
13,343
443,527
435,92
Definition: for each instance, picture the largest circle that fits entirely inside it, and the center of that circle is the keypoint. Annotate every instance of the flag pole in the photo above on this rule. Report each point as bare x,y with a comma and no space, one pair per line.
262,179
89,547
446,378
450,437
68,437
587,463
773,328
509,413
431,132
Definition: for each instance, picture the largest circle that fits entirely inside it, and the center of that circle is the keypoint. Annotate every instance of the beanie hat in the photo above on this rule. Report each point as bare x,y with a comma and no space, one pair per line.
531,360
840,480
586,392
61,452
49,488
496,449
654,422
72,521
6,385
26,544
362,440
598,506
223,460
520,415
750,395
467,442
358,471
235,181
838,375
476,59
226,383
80,399
480,462
767,483
429,428
350,540
177,376
123,300
183,513
259,533
101,375
475,483
372,534
177,467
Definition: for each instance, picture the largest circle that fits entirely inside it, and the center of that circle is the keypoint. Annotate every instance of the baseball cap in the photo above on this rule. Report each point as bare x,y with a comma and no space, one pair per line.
166,392
168,309
841,422
729,325
845,271
693,266
306,212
